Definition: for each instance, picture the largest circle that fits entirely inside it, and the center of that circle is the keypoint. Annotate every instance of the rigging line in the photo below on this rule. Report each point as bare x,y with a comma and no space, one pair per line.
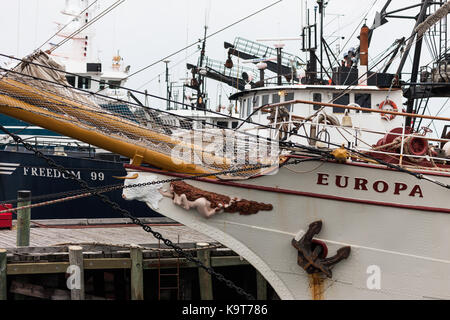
440,110
17,132
433,121
125,88
318,151
101,15
88,193
433,43
311,149
375,60
54,35
430,48
425,96
117,99
136,220
348,89
207,37
356,29
171,67
78,194
140,106
101,189
443,55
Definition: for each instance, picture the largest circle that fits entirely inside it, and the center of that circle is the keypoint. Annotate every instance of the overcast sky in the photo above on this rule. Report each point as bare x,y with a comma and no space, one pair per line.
147,30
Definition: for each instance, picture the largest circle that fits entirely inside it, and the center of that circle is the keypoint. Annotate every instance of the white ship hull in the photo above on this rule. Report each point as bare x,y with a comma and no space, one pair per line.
405,236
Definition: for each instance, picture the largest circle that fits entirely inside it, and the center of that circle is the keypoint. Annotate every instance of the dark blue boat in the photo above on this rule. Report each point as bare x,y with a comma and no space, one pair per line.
21,170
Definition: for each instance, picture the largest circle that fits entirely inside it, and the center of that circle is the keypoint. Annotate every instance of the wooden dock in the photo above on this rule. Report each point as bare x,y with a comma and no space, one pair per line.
116,234
118,262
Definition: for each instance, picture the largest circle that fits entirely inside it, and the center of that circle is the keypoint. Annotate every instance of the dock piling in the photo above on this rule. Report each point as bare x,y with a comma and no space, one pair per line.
3,284
261,287
23,219
76,280
137,274
205,279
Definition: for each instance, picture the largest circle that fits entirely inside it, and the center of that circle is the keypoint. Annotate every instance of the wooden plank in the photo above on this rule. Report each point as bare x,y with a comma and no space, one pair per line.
104,263
170,263
205,279
36,291
88,247
137,274
167,263
261,287
76,280
113,264
3,283
23,219
114,235
228,261
37,268
37,250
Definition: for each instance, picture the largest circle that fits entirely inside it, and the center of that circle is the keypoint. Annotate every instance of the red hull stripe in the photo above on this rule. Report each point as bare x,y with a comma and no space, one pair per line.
292,192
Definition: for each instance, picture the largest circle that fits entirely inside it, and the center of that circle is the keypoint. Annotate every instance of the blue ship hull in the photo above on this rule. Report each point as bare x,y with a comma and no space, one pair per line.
25,171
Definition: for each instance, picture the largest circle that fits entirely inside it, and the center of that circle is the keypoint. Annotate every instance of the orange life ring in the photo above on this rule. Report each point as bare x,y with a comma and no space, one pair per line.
393,105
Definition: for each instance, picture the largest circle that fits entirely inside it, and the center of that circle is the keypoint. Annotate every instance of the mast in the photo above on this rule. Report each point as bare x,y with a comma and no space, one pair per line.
201,83
415,69
309,44
168,90
321,13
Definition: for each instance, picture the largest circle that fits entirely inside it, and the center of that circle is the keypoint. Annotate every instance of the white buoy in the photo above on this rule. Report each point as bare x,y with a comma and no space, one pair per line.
447,149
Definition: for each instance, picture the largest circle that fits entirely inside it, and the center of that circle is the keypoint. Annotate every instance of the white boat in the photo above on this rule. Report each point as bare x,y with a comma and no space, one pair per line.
398,239
387,220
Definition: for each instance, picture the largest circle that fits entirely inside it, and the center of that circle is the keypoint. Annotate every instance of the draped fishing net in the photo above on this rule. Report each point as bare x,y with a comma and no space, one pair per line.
37,85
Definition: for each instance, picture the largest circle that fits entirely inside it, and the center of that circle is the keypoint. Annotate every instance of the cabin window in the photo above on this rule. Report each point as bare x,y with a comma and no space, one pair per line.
102,84
249,107
84,82
243,105
255,102
265,100
317,97
234,124
289,97
71,80
222,124
275,98
114,84
364,101
94,67
338,98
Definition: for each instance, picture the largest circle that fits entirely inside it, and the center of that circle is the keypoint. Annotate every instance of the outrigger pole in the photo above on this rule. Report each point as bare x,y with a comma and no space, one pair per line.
415,70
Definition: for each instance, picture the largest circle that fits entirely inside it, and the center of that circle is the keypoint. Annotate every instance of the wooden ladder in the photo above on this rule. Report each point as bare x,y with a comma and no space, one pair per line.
168,275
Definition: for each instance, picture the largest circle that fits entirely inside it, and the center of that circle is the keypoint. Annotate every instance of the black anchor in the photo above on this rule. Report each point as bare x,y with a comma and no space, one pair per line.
312,254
